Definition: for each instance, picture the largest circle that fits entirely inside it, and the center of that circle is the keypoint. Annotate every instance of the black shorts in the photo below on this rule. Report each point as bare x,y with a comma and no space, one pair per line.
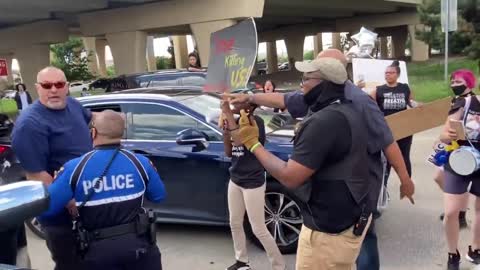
457,184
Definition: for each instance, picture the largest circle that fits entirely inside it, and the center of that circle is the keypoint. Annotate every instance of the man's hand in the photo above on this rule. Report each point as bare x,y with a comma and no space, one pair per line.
237,98
407,189
361,84
452,134
72,208
247,134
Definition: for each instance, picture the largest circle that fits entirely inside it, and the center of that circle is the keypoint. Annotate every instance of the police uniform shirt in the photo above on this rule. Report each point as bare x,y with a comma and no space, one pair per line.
120,195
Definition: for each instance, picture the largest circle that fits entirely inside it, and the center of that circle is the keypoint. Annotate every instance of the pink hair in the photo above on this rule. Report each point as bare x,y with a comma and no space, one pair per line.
467,75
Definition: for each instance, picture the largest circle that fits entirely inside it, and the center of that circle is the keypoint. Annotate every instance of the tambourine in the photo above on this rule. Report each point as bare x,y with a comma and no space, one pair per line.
465,160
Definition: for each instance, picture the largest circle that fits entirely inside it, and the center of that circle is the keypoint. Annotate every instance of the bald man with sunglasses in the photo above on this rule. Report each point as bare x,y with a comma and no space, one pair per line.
50,132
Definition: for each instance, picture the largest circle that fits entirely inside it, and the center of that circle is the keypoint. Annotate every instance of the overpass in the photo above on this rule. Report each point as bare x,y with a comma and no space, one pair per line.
28,27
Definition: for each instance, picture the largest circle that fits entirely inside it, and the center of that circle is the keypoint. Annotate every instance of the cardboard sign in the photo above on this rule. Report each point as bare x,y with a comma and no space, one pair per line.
425,117
3,67
372,72
233,51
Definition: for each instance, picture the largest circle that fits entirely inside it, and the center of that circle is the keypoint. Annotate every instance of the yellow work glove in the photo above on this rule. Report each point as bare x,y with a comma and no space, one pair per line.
247,134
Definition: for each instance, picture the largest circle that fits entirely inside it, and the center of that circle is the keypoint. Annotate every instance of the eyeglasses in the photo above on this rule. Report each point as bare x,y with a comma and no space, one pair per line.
305,79
49,85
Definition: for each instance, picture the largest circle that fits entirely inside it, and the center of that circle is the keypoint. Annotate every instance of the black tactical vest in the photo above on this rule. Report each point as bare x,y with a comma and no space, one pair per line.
353,170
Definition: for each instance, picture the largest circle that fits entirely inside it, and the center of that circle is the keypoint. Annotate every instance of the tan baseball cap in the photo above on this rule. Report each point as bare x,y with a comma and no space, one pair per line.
334,53
329,69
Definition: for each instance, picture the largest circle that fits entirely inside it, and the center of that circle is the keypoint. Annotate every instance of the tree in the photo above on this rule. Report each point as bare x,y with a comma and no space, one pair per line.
471,13
429,13
72,58
163,62
308,55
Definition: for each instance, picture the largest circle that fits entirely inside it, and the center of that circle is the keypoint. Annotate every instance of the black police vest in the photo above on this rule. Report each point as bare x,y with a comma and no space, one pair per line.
353,170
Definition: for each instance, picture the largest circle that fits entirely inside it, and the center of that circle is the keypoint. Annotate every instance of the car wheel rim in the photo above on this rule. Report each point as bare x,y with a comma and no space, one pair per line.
283,218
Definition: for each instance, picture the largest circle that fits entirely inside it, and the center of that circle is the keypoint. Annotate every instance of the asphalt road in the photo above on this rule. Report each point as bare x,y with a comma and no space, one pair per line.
410,237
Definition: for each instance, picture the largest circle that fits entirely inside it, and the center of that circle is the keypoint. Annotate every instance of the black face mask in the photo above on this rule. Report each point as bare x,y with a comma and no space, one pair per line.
311,97
323,94
459,89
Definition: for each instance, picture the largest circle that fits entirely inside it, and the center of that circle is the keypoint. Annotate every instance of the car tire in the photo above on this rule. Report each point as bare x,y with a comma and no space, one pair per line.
284,227
36,228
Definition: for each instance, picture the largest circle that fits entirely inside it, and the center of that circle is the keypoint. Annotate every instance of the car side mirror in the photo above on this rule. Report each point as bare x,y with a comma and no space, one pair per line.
193,137
20,201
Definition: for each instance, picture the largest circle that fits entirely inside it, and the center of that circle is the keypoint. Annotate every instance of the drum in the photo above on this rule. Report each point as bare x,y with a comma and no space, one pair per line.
465,160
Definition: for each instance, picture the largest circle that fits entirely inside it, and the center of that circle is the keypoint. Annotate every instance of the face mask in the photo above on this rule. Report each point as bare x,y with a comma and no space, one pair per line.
311,97
459,89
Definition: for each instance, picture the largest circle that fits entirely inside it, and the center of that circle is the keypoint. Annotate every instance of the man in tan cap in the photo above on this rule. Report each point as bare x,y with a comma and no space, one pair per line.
380,139
329,165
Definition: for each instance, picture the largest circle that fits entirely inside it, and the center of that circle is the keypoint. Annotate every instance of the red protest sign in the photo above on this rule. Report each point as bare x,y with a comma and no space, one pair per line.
3,67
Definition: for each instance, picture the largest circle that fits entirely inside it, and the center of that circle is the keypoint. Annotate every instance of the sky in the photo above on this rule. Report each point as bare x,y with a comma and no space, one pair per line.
160,46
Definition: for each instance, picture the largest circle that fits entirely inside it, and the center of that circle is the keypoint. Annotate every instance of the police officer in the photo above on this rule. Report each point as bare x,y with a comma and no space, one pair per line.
109,185
329,163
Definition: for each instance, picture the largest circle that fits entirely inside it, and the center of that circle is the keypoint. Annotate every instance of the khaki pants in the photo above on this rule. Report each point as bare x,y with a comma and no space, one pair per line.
323,251
252,201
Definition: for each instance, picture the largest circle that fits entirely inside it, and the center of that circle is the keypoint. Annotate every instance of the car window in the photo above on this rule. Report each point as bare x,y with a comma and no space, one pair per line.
102,107
193,81
156,82
159,122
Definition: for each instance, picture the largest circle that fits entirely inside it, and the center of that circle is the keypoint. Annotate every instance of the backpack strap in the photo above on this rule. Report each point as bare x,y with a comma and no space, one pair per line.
138,165
78,170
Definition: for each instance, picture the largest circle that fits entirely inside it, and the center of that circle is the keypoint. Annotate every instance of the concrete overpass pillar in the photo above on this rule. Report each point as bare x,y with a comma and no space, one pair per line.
294,44
317,44
336,41
202,32
272,57
31,60
151,61
399,41
90,47
419,50
128,50
181,51
384,47
100,45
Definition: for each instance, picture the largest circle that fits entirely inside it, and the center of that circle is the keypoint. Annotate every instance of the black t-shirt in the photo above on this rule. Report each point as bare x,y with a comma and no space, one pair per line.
246,171
393,99
322,141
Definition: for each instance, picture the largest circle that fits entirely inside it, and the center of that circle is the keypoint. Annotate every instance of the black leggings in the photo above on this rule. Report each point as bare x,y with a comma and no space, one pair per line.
404,144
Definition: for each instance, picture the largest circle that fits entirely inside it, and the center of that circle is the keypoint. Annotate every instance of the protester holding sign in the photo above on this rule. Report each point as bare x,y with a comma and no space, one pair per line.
456,186
246,191
394,97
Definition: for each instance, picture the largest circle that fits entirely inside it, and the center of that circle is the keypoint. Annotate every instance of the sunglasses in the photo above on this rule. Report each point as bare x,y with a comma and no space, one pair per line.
49,85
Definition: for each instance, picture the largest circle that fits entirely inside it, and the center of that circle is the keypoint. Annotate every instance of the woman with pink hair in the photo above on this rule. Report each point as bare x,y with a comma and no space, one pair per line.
466,108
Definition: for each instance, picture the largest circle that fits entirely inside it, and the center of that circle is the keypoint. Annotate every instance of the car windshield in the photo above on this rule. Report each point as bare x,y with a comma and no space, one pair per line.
209,106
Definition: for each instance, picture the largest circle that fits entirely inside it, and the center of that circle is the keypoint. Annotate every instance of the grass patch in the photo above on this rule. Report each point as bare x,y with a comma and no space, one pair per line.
8,107
426,79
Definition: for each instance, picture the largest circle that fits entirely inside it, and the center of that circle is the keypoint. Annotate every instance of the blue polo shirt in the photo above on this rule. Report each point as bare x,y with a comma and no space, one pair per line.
44,139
